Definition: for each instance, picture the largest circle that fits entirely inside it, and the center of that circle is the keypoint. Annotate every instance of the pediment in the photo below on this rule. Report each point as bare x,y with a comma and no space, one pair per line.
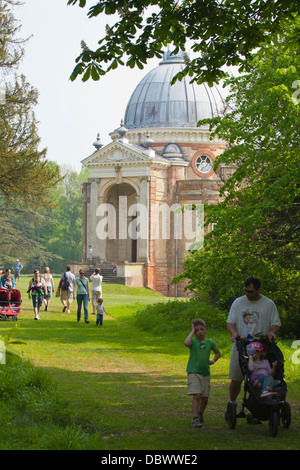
115,153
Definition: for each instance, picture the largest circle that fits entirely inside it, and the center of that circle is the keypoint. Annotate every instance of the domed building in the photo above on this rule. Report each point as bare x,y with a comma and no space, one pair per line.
157,103
142,185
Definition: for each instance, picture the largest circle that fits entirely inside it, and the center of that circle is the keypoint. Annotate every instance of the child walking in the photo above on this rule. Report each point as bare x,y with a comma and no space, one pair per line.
198,370
100,309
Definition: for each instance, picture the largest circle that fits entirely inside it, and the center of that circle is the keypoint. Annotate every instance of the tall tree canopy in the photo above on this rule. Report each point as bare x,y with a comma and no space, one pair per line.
26,177
257,226
62,231
25,173
221,32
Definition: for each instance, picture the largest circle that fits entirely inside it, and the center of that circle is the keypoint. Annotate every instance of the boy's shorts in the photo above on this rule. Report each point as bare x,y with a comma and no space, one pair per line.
197,383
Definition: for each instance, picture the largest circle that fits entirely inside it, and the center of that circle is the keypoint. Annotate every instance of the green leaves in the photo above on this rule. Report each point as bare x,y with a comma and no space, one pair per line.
8,341
257,226
221,33
82,3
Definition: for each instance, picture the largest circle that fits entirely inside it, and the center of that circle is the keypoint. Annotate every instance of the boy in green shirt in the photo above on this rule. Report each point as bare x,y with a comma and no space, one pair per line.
198,384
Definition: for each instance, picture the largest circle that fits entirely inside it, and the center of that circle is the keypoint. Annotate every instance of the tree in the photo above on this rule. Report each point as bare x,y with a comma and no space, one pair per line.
25,173
26,176
10,50
62,229
222,32
53,236
257,226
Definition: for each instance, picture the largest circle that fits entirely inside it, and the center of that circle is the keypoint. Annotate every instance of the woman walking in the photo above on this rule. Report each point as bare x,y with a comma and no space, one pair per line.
37,287
83,295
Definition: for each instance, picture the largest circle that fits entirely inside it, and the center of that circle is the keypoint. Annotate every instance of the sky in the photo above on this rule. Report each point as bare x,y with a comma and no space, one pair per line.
70,114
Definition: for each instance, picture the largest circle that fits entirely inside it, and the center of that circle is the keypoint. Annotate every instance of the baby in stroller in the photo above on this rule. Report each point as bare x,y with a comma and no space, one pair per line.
261,373
265,388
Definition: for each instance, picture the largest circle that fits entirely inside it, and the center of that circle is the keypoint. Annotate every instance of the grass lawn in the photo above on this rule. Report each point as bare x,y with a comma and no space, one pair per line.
130,385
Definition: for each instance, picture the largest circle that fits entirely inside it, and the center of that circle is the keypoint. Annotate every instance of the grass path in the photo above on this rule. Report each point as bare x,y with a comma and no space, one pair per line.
130,384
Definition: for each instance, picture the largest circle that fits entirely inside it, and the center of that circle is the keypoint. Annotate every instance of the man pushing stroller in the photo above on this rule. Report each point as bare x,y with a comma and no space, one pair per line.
249,315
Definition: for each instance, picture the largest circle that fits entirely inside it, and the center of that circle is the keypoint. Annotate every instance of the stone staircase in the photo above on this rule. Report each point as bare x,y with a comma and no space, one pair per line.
106,272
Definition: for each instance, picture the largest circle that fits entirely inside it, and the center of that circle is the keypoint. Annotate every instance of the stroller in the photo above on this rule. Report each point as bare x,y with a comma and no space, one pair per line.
273,408
10,304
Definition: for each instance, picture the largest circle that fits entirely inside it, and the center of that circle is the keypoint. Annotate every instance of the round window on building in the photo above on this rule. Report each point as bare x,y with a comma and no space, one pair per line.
203,164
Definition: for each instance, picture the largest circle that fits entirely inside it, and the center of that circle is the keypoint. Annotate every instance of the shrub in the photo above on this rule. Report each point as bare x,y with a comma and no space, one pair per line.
290,323
33,415
175,315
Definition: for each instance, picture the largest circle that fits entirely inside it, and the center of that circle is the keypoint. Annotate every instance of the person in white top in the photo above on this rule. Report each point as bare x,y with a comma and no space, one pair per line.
96,280
252,313
50,286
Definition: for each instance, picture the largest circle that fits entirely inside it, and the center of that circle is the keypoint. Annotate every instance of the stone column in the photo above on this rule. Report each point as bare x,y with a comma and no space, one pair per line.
85,188
101,237
143,241
93,218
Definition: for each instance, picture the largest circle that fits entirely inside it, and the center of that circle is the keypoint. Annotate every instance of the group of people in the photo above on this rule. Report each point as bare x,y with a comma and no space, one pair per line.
68,285
7,281
41,289
249,315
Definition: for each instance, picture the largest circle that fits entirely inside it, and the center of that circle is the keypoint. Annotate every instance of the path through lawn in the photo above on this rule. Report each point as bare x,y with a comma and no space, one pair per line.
130,385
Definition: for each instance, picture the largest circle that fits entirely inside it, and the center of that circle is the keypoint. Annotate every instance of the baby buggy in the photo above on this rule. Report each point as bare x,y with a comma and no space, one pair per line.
10,304
273,408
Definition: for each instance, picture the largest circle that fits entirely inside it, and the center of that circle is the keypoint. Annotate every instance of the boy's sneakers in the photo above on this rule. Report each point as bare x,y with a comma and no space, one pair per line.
198,422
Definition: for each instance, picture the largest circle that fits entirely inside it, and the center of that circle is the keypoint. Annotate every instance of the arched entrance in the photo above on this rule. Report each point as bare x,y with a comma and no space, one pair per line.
121,244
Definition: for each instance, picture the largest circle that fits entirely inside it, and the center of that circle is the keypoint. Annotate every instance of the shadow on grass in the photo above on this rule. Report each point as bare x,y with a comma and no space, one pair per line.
146,411
115,335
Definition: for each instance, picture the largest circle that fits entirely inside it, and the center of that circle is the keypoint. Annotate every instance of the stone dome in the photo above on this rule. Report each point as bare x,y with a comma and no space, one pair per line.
155,103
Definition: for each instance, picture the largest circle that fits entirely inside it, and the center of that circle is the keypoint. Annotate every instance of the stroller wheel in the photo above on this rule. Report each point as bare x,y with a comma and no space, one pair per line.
285,414
273,422
230,415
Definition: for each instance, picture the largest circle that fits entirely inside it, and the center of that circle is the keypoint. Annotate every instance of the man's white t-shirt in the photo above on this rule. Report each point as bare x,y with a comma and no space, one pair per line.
96,280
253,316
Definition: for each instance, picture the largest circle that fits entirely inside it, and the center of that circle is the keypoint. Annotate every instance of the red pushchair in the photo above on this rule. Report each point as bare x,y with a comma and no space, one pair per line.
10,304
